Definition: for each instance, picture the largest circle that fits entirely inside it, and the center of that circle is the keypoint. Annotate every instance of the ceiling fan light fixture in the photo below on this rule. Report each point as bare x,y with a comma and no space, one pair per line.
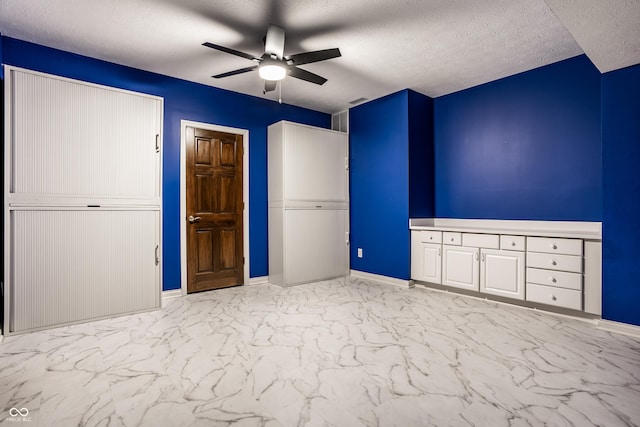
272,70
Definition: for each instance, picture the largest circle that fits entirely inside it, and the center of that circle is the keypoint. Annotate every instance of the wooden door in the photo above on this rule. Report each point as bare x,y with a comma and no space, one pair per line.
214,210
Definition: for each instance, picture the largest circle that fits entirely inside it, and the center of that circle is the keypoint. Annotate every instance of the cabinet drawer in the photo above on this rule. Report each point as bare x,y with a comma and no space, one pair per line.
451,238
512,243
559,297
488,241
555,262
426,236
561,279
554,245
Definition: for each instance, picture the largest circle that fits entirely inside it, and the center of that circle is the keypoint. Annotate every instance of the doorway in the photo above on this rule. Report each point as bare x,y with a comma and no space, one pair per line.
214,207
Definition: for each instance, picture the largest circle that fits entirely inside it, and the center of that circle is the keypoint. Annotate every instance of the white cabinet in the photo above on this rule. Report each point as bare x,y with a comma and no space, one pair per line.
461,264
308,204
460,267
82,201
426,256
315,245
554,271
502,273
542,262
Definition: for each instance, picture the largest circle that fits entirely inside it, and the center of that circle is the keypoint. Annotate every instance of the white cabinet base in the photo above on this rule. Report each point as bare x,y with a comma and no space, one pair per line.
460,267
559,297
502,273
426,259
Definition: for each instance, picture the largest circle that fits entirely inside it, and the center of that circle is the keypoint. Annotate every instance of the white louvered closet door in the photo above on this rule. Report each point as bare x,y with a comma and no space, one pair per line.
83,192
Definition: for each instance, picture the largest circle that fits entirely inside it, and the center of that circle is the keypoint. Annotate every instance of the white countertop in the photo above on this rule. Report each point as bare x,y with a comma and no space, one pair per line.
564,229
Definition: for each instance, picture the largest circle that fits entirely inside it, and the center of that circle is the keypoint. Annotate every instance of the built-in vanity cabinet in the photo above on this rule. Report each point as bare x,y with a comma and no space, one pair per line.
554,271
521,266
426,256
502,270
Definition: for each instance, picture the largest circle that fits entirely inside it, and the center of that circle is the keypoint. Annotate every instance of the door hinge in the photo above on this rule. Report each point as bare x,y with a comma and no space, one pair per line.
346,163
157,255
157,142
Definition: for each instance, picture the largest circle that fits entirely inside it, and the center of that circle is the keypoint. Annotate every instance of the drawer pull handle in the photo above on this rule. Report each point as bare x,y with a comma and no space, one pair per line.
430,237
553,298
452,239
554,246
553,262
513,243
553,280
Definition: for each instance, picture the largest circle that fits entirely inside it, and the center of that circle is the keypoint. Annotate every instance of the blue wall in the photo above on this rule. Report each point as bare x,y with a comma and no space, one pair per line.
421,157
182,101
524,147
621,207
384,135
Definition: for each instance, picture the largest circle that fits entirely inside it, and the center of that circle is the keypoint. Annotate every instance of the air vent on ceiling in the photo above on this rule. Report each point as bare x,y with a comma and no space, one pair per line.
358,101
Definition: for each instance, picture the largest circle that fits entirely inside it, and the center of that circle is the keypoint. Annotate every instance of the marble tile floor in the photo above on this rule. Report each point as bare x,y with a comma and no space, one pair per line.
345,352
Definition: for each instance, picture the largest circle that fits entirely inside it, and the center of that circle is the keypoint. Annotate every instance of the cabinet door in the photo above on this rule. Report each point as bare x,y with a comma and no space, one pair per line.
460,267
315,245
315,164
426,260
502,273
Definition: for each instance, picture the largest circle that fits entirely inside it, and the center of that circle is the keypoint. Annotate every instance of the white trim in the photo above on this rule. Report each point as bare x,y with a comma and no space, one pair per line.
183,195
573,229
382,279
262,280
169,295
619,328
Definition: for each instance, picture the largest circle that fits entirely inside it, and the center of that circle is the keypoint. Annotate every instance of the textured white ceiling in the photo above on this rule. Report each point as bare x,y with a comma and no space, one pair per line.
432,46
608,31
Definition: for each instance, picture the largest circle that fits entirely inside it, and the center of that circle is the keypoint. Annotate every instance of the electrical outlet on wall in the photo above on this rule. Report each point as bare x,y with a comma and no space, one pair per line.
359,252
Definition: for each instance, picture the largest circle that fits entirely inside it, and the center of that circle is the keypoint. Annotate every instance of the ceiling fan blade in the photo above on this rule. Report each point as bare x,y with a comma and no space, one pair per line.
234,72
301,74
270,85
315,56
274,41
231,51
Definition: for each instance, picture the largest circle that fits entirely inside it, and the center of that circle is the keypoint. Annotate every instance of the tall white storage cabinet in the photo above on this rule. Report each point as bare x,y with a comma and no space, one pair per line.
82,201
308,204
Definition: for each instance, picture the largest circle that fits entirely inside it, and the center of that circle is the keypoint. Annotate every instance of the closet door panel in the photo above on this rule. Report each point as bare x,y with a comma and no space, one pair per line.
70,266
315,164
77,139
315,245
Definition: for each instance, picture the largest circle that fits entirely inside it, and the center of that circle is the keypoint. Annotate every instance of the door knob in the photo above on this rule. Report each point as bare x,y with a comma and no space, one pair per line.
193,219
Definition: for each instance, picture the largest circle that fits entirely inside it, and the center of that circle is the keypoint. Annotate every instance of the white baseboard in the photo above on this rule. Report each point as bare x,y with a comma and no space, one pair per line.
619,328
258,280
168,295
382,279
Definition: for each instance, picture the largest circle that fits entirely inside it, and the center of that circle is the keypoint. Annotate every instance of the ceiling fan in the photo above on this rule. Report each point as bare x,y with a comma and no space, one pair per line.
273,65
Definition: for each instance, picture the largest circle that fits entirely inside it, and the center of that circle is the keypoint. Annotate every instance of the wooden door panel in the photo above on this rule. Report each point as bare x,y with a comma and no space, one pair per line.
227,153
204,194
214,200
227,249
204,250
226,185
204,152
